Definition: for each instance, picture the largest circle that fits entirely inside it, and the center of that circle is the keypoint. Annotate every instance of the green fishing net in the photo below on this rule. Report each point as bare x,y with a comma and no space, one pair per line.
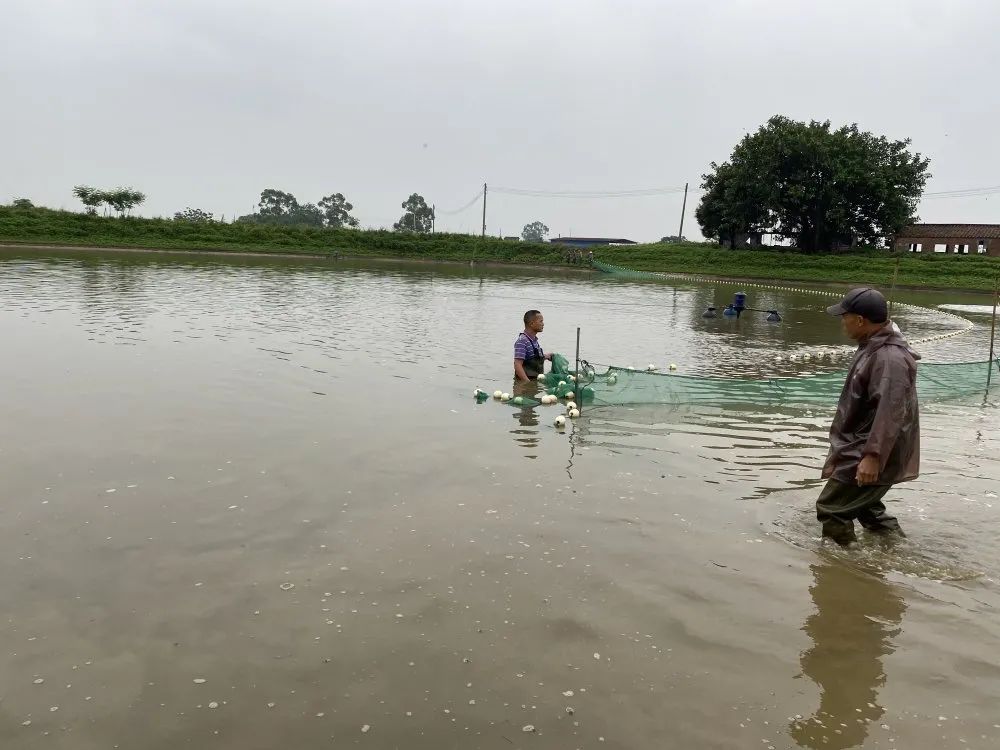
625,386
620,386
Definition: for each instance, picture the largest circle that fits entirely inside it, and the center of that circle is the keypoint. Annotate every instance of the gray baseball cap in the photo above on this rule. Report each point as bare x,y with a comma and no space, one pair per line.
869,303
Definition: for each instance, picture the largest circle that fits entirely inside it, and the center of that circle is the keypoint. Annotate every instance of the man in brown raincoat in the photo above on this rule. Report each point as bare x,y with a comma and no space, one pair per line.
875,436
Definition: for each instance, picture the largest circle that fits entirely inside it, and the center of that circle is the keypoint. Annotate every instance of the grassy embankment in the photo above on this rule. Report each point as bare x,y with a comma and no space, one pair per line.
875,267
48,227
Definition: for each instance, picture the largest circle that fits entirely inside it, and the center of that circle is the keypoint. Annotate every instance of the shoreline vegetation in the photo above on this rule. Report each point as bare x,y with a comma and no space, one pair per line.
48,228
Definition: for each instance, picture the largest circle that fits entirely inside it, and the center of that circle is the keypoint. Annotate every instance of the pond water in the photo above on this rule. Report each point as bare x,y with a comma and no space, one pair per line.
250,502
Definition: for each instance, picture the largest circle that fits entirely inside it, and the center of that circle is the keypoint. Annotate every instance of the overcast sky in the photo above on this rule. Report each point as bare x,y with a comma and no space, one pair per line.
205,103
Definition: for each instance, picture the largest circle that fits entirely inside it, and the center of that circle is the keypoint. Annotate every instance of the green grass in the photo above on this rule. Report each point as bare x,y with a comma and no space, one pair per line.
46,226
874,267
49,227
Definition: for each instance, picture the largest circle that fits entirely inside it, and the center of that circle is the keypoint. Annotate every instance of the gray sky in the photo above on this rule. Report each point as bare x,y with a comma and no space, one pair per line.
205,103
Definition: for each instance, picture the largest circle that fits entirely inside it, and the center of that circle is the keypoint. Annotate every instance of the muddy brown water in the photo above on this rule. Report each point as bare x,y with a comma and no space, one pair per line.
251,503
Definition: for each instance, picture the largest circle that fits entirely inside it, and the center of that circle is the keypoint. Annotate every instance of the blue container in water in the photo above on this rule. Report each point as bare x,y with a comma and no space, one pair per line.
740,301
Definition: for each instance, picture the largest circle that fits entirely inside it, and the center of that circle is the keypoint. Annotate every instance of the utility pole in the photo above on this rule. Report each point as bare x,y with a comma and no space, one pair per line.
680,232
433,216
892,289
993,332
484,209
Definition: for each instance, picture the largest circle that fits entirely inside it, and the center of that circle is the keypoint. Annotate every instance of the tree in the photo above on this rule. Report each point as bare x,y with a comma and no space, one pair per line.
337,211
534,232
133,198
306,215
822,188
730,207
120,199
90,197
417,217
194,215
281,208
276,204
123,200
22,203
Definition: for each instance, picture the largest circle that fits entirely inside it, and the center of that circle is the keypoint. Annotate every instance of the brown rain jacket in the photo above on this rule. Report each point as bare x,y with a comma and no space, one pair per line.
878,413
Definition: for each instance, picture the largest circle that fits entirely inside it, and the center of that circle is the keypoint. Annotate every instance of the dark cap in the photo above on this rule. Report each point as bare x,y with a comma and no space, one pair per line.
866,302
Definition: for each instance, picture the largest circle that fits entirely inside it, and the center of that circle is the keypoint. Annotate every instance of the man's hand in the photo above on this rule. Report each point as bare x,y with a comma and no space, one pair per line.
519,372
868,470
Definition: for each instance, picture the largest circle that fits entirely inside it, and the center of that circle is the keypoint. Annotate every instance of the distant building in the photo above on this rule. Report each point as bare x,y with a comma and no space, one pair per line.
954,239
742,239
587,242
510,238
748,239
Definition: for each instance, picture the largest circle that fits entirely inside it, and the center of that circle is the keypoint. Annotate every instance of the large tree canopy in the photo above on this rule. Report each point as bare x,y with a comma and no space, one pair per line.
417,216
534,232
337,211
821,188
283,209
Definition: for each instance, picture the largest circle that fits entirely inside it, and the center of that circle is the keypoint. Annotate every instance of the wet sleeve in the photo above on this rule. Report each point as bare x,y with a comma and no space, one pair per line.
888,391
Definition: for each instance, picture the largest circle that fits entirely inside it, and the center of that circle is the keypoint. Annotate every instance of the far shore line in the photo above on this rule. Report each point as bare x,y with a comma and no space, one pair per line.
333,255
338,255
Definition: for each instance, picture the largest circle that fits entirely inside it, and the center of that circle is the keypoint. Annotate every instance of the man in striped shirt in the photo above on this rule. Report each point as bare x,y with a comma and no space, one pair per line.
529,357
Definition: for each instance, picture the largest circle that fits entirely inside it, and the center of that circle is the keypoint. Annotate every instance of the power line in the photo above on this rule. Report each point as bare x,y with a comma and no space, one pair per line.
634,193
473,201
964,193
979,192
644,192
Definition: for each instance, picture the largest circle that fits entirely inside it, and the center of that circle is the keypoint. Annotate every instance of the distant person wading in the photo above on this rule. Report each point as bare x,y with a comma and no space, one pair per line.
875,435
529,357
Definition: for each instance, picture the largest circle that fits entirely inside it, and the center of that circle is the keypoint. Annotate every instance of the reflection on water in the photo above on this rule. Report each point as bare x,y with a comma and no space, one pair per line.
202,432
121,296
526,433
856,622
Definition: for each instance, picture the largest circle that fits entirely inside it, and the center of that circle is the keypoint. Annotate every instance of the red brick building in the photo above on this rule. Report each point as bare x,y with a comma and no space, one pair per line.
954,239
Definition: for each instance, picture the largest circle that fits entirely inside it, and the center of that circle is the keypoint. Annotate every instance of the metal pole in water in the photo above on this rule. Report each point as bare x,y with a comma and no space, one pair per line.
993,330
576,371
892,291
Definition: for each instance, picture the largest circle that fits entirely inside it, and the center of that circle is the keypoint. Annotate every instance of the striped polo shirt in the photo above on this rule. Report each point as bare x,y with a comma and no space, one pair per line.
527,346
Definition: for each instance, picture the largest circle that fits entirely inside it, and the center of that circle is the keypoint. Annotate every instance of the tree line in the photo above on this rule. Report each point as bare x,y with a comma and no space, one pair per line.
281,208
820,187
